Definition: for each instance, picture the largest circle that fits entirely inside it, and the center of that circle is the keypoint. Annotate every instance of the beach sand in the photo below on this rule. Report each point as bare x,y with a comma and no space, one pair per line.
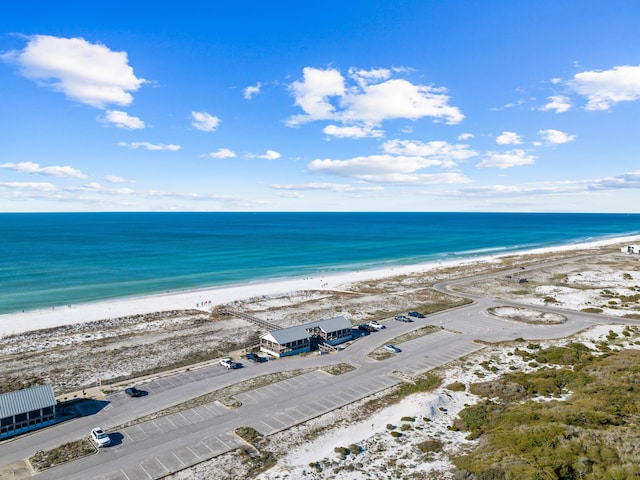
206,297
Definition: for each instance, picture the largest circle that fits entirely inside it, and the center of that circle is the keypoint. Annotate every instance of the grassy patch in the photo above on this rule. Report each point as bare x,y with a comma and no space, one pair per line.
255,459
62,454
338,369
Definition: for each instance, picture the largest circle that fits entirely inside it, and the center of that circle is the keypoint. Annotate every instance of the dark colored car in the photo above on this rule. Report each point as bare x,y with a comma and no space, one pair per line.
254,357
366,328
416,314
132,392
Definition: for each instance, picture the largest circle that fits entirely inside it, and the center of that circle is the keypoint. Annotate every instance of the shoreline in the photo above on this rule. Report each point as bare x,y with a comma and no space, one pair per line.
204,298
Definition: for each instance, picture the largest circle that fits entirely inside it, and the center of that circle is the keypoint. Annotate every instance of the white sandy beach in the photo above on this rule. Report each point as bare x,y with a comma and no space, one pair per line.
207,297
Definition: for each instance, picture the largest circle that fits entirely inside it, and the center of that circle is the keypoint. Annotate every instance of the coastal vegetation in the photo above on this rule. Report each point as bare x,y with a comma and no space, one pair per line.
577,418
67,452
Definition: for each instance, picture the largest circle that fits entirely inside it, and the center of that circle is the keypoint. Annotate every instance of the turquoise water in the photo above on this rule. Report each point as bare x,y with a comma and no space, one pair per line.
69,258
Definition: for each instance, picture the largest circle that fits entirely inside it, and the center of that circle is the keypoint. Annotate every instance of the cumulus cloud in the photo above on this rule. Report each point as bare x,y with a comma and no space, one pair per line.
512,158
269,155
123,120
222,153
605,88
52,171
312,94
366,98
555,137
250,91
204,121
509,138
465,136
446,154
89,73
353,131
365,77
149,146
557,103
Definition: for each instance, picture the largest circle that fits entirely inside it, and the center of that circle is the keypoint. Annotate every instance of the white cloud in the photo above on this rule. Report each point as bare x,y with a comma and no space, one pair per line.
123,120
149,146
555,136
509,138
36,186
386,169
313,92
53,171
371,98
115,179
448,155
250,91
352,131
204,121
579,187
365,77
508,159
270,155
85,72
222,153
398,98
605,88
557,103
465,136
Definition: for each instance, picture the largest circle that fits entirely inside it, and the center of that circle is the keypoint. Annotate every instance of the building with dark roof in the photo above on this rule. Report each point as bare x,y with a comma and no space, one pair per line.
27,409
306,337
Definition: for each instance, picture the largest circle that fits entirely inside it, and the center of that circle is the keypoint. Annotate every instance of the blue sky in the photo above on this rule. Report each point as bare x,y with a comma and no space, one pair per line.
373,105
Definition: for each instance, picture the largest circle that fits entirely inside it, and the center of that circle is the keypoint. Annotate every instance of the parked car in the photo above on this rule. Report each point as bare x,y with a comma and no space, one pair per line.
254,357
228,363
132,391
416,314
390,348
376,325
100,437
402,318
366,328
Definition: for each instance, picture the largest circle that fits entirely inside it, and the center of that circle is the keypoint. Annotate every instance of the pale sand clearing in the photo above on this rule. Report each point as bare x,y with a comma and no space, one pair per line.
185,300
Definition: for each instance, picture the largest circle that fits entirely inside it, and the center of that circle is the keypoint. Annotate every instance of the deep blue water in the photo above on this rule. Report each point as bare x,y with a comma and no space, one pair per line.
69,258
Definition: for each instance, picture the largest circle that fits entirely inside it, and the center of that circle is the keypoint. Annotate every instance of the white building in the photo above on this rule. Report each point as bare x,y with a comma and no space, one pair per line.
307,337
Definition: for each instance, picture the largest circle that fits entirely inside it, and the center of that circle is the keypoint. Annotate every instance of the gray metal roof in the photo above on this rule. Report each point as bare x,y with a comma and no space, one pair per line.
300,332
22,401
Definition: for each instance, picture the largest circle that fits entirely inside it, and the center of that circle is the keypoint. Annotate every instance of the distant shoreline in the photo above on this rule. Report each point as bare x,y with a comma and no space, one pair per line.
204,298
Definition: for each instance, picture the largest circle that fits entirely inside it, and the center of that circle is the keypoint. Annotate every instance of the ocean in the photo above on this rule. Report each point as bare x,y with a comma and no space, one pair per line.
57,259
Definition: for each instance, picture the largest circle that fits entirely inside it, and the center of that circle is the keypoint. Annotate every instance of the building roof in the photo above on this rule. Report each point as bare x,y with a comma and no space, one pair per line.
300,332
22,401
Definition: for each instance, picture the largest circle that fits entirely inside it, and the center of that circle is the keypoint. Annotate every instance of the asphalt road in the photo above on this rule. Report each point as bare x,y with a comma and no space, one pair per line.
155,448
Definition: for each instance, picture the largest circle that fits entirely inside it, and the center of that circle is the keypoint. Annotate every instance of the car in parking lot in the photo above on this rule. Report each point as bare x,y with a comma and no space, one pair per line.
228,363
402,318
254,357
366,328
390,348
376,325
132,391
100,437
416,314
